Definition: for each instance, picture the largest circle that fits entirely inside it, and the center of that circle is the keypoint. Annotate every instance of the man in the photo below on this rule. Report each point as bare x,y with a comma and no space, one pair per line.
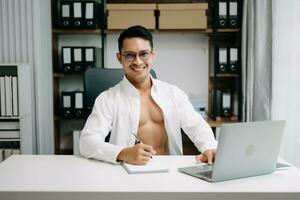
153,110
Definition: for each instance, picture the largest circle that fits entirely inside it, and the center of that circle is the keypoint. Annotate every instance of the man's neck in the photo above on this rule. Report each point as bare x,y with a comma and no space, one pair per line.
142,86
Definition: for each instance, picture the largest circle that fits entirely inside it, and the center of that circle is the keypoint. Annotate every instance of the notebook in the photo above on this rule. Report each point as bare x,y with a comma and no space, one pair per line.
244,149
153,166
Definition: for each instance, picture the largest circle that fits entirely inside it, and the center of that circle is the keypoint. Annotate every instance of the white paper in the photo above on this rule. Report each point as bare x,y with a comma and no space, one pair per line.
67,101
153,166
77,10
89,10
233,8
222,55
222,8
89,55
77,54
78,100
233,54
66,55
65,10
226,100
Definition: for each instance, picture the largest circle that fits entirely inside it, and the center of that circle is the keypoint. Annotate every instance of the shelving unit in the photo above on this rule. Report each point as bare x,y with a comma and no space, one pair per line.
17,128
63,128
215,79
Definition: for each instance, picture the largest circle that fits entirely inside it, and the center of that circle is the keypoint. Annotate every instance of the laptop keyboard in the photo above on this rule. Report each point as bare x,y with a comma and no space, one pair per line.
207,174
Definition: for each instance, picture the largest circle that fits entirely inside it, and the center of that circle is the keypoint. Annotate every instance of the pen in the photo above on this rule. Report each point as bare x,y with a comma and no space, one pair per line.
138,140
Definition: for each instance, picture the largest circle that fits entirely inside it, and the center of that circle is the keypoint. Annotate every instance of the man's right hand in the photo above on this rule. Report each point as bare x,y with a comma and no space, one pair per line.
138,154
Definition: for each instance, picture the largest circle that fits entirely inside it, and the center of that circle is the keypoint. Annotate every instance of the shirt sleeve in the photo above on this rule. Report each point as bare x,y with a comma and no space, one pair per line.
98,125
192,123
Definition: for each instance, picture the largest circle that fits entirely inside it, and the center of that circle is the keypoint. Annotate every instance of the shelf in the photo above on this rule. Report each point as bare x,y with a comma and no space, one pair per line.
77,31
223,75
228,30
59,75
9,118
10,139
57,118
115,31
219,121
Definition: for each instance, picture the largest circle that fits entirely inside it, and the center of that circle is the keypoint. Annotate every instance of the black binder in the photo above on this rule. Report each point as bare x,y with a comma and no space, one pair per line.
67,104
91,14
221,59
233,14
78,14
233,60
216,103
226,104
66,59
78,104
92,57
65,14
77,61
221,14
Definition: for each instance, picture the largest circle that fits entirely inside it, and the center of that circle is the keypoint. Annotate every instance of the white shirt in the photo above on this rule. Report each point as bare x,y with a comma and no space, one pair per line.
117,110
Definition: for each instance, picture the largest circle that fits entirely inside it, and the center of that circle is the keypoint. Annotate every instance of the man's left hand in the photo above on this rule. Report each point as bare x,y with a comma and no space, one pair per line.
207,156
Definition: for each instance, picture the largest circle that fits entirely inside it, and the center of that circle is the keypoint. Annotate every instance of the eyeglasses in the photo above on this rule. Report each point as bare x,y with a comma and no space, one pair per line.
143,55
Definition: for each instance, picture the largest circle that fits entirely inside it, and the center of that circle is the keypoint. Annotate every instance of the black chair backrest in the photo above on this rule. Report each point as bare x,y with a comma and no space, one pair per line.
97,80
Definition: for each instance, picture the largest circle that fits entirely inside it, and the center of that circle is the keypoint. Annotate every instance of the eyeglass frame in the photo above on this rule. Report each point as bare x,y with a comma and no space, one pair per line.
135,55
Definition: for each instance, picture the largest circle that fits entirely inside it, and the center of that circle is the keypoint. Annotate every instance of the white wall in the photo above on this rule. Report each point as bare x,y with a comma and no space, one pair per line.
181,59
25,36
286,70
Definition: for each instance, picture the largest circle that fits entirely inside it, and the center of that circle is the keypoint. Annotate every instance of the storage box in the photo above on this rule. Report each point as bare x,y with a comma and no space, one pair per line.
183,16
122,16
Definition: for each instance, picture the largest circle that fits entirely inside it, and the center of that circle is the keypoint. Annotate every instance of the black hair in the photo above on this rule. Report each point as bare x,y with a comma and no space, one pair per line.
135,31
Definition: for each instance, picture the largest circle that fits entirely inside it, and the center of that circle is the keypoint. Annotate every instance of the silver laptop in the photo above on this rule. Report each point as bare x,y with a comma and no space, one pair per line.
244,149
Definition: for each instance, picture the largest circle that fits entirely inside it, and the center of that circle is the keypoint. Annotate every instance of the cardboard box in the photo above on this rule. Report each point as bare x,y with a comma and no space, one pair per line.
183,16
122,16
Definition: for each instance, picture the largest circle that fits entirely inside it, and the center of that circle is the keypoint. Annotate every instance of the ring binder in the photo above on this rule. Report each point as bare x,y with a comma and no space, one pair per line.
65,15
221,59
66,59
77,14
233,13
233,60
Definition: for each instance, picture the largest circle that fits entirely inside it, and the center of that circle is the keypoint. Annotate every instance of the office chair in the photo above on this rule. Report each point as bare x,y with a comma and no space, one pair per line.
97,80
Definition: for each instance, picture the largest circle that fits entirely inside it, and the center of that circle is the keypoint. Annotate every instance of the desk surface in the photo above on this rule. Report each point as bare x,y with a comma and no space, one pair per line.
69,174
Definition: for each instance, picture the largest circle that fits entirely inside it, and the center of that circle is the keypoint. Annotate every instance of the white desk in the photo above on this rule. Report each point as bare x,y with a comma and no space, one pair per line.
70,177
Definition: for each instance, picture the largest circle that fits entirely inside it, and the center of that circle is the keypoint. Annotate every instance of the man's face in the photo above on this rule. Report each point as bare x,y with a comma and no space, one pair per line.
136,57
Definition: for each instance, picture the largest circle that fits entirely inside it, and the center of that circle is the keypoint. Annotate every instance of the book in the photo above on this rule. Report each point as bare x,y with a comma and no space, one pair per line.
153,166
9,134
9,125
2,96
15,98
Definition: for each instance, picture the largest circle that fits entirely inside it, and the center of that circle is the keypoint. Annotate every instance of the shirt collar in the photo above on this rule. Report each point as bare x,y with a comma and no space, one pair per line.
129,88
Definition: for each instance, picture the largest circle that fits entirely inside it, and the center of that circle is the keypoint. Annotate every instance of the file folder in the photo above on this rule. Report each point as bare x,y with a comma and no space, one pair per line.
226,104
221,60
233,60
91,15
2,96
77,14
216,103
77,62
67,104
15,97
92,57
66,59
78,109
233,13
222,14
65,19
8,96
